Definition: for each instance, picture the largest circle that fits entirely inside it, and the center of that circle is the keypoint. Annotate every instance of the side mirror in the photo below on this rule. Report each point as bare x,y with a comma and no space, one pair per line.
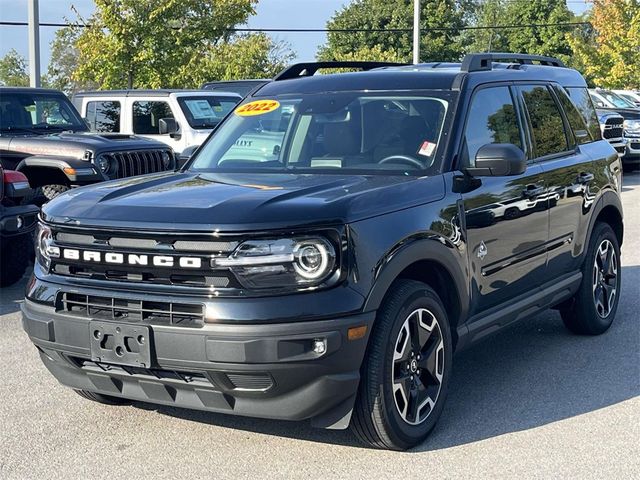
498,160
167,126
600,105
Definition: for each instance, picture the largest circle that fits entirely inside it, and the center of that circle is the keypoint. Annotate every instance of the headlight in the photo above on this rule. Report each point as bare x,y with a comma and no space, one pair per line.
281,263
166,159
632,126
104,163
45,249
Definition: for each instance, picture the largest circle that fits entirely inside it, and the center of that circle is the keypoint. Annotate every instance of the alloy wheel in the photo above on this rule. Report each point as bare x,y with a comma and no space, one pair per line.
605,278
418,366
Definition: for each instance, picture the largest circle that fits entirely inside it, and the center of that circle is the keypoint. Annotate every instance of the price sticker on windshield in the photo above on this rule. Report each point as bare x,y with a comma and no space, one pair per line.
259,107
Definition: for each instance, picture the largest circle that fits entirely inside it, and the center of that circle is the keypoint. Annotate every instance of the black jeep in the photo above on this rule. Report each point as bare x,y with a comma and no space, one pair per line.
43,136
333,243
17,223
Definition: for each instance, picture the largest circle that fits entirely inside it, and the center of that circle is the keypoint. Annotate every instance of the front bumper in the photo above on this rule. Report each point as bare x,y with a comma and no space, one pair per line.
632,154
261,370
17,220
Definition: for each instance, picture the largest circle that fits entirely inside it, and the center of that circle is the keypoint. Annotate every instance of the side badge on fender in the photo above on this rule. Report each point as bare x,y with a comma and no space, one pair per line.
482,250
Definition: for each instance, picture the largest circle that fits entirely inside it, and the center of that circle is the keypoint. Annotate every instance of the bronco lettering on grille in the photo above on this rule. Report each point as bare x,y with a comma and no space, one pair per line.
131,258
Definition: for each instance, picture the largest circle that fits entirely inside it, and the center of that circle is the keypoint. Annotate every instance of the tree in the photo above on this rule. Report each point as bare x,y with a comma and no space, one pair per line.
253,55
13,70
609,54
169,43
378,19
528,37
64,62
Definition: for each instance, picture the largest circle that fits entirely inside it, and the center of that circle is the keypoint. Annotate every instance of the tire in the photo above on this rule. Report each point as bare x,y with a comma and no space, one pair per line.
104,399
378,419
15,259
52,191
593,308
511,213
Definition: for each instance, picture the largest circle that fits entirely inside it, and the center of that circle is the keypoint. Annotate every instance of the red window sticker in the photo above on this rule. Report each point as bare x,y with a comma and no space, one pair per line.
427,148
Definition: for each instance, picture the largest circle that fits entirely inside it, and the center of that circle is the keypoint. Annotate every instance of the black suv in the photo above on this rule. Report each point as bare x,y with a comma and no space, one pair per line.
43,136
332,244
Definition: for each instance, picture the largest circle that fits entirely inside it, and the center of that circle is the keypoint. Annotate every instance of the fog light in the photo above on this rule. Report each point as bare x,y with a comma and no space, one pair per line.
19,222
319,346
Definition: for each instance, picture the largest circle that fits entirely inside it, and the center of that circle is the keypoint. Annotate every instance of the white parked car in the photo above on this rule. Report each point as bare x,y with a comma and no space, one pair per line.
179,118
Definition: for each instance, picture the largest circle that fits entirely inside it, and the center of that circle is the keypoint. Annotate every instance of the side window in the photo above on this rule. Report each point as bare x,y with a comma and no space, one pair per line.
492,119
147,115
582,100
103,116
546,122
576,120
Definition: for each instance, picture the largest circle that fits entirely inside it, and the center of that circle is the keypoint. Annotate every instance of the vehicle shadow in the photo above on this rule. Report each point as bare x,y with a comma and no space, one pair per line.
11,297
532,374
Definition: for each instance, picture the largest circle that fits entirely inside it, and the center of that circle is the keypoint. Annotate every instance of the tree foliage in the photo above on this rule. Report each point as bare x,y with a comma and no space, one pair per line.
529,38
13,70
378,18
64,62
170,43
609,54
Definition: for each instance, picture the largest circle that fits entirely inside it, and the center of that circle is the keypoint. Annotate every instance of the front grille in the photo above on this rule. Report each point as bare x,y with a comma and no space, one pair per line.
613,128
122,309
202,248
131,164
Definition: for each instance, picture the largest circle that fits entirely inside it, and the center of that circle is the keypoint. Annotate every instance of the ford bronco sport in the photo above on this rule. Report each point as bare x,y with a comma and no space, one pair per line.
338,237
43,136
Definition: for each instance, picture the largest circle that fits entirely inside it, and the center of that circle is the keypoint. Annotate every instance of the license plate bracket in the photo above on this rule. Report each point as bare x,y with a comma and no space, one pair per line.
120,344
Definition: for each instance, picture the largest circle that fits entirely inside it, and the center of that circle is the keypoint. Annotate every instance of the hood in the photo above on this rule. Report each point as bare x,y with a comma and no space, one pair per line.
193,201
626,113
74,145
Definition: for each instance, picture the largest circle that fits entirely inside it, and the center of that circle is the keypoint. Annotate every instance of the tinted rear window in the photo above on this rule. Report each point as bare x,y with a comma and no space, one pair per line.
582,100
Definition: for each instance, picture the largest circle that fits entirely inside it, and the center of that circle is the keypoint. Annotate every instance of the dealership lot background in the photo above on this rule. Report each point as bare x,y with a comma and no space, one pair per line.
533,401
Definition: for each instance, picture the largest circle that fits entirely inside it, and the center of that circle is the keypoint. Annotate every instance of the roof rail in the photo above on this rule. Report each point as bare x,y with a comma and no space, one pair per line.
477,62
308,69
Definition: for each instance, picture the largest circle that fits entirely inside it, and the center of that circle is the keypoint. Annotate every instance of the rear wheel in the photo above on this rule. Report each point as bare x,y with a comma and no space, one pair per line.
104,399
406,372
593,308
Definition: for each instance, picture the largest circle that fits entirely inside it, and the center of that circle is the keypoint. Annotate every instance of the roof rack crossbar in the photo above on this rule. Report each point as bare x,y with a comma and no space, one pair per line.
310,68
477,62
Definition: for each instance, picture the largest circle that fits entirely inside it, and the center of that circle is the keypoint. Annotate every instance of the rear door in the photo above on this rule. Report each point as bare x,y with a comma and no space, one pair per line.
506,228
557,132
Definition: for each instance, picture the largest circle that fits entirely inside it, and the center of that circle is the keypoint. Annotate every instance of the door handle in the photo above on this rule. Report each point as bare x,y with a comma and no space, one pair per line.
585,177
532,191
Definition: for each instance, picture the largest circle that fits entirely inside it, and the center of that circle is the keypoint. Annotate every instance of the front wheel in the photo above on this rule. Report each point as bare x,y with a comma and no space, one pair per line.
406,372
593,308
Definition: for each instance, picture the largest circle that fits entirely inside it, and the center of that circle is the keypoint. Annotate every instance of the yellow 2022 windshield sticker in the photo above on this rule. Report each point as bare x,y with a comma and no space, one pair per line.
259,107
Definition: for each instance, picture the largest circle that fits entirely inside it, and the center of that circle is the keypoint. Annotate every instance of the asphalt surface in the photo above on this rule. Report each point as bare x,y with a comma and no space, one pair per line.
533,401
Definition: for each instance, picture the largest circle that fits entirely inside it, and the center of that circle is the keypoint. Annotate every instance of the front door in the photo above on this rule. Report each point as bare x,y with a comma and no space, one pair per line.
506,217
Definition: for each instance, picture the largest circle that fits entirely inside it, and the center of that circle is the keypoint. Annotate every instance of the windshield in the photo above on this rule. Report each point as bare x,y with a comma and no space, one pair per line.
206,111
36,112
342,132
616,100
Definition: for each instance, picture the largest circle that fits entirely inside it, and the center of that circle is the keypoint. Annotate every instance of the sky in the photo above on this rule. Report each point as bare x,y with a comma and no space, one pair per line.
270,14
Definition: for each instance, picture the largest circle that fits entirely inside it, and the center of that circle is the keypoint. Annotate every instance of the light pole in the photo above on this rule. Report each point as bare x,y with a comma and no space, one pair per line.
416,31
34,44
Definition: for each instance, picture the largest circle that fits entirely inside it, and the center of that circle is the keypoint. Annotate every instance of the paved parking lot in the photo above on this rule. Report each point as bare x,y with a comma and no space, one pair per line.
533,401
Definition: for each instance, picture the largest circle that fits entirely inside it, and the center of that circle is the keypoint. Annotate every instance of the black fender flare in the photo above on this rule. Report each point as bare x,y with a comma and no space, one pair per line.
402,256
608,199
62,164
